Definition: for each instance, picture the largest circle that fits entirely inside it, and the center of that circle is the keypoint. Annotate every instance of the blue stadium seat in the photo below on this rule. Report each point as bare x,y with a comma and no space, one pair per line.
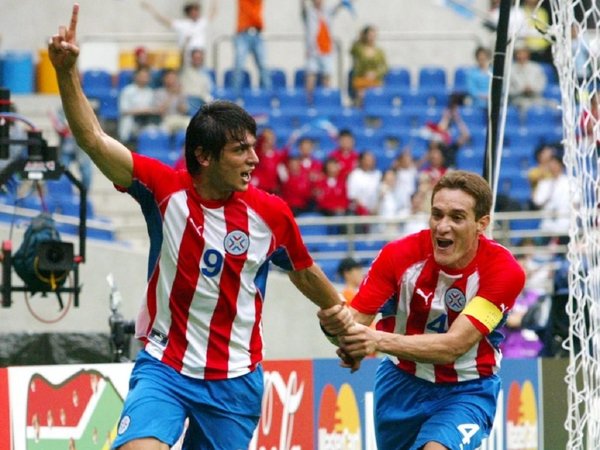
387,98
153,139
278,79
300,79
228,79
96,83
413,98
323,97
349,118
543,116
432,78
124,77
397,77
469,158
108,105
459,83
290,98
550,71
257,101
473,117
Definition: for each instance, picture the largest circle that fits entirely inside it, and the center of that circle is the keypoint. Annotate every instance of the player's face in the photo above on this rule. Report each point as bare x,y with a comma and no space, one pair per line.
232,172
454,230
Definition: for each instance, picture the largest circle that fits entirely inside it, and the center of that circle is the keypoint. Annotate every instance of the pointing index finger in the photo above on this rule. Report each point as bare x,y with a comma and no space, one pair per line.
73,25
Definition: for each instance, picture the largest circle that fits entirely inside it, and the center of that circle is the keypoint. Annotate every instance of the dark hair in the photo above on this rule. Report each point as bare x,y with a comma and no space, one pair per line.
188,7
215,124
470,183
483,49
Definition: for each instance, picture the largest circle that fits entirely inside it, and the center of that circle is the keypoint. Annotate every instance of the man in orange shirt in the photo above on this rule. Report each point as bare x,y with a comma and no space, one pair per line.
248,39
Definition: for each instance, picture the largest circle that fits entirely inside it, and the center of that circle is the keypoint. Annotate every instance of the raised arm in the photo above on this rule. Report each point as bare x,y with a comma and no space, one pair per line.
161,18
111,157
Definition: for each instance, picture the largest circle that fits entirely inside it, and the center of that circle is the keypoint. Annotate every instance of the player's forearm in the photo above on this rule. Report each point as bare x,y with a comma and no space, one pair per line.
111,157
425,348
313,283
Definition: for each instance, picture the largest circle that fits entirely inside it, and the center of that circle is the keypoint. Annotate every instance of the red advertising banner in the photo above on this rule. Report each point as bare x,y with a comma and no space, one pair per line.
287,411
5,428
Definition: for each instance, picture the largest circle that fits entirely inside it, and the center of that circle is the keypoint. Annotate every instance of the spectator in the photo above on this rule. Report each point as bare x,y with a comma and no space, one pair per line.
433,163
192,30
456,130
319,43
536,21
69,151
388,206
553,195
172,103
521,342
527,80
362,185
479,79
137,106
312,166
331,197
267,174
369,64
406,179
141,57
581,54
351,273
543,154
297,186
196,80
345,153
248,39
516,23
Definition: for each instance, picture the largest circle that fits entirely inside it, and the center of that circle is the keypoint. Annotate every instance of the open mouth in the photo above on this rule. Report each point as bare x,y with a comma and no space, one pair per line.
246,176
444,243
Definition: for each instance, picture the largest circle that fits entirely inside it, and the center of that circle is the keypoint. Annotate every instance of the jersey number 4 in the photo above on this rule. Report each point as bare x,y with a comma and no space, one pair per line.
438,324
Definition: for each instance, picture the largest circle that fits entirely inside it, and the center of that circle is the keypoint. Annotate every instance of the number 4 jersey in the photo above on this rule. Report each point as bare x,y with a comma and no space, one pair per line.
426,298
207,271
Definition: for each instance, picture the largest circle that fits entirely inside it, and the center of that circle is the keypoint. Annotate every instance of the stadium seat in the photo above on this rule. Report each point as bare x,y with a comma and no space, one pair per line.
327,97
291,98
124,77
278,79
459,83
413,98
542,116
300,79
387,98
228,79
469,158
153,139
550,71
257,101
397,77
108,105
349,118
432,78
96,83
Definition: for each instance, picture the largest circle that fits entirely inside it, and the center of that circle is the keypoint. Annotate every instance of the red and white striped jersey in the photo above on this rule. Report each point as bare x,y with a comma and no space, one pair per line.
207,271
426,298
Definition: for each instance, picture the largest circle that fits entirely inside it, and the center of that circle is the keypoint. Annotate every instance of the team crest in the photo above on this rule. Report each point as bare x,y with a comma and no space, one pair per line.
455,299
124,424
236,243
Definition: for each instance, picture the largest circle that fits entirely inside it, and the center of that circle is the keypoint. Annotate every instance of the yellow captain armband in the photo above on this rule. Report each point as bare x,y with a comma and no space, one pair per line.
484,311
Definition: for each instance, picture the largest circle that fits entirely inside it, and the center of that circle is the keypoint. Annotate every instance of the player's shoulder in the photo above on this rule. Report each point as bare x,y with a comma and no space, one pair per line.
265,202
495,256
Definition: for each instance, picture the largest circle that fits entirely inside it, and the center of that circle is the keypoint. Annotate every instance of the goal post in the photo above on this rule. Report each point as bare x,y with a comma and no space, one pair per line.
576,52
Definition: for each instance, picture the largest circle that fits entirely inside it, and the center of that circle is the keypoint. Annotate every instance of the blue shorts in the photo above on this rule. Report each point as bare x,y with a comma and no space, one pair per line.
160,399
410,411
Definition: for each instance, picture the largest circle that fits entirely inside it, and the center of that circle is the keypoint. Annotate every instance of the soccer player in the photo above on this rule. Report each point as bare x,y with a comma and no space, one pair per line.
212,236
449,289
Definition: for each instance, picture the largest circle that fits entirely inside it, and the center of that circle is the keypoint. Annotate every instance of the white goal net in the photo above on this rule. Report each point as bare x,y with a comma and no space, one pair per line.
576,52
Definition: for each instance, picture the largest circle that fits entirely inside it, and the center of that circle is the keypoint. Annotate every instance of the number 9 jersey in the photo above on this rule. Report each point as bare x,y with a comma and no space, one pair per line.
207,270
